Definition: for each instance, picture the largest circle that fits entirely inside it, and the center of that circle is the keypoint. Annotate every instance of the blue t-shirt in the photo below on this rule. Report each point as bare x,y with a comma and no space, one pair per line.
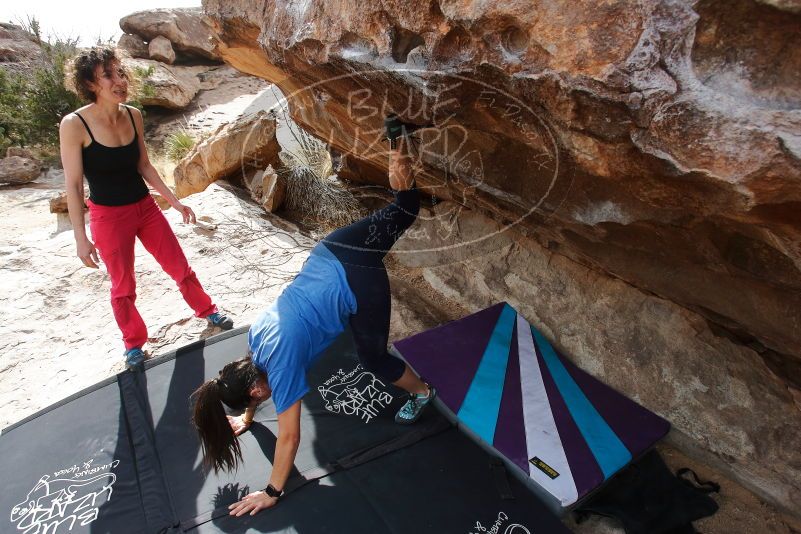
303,321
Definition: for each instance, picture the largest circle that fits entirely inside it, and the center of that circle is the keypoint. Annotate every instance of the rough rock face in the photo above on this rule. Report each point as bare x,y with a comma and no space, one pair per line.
247,143
172,87
18,48
267,188
134,45
793,6
161,201
709,387
160,49
18,170
655,142
21,152
58,203
185,28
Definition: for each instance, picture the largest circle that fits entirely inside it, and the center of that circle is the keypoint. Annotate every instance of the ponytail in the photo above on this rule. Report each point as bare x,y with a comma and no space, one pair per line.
220,444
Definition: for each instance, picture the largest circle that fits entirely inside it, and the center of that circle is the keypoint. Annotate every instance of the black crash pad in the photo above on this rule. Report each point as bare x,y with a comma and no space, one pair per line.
121,457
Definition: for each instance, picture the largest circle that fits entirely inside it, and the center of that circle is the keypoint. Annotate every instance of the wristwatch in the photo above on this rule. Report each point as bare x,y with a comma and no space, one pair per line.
272,492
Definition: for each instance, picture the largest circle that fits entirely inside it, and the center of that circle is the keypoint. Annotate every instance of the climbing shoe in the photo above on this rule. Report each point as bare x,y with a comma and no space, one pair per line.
220,320
395,128
134,358
410,412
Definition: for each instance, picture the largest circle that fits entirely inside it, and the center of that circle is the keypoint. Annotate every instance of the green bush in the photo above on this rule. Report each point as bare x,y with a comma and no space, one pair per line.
145,87
179,144
141,87
32,106
141,72
47,99
14,122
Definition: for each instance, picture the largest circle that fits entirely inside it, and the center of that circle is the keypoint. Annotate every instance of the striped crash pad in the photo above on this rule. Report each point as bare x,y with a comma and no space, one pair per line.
562,430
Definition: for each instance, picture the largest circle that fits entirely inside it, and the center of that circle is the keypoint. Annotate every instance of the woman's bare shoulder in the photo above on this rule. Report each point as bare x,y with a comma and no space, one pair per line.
70,124
72,117
72,128
134,110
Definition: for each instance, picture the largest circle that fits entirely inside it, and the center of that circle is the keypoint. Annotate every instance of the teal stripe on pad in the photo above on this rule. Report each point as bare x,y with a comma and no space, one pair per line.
479,410
610,453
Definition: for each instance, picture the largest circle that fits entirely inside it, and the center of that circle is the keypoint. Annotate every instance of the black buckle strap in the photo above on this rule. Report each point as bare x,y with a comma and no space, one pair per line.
704,486
500,477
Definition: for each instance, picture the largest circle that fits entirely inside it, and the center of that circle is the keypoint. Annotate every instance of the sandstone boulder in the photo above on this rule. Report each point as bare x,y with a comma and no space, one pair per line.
21,152
161,201
267,188
186,28
18,170
274,190
7,54
707,385
19,50
58,204
657,143
610,134
231,151
166,86
133,45
793,6
160,49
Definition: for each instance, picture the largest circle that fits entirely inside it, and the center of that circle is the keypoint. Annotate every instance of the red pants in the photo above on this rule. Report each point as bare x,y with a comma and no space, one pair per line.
114,229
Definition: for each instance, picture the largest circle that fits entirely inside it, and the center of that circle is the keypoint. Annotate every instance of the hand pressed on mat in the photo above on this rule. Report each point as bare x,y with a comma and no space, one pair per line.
238,424
252,503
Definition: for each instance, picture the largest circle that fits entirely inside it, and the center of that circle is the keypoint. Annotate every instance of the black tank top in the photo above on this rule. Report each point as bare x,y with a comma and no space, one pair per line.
112,171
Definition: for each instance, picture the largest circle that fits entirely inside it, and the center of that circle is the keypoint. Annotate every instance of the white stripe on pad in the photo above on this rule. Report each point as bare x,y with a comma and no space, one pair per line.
542,436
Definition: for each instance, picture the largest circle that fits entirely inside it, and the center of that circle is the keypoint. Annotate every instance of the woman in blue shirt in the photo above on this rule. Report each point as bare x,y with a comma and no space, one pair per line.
343,281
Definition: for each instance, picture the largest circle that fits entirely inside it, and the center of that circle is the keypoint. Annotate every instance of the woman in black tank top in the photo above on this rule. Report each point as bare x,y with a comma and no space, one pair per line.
121,209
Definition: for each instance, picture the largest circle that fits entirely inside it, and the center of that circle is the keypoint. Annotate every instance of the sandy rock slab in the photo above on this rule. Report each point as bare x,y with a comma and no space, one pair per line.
186,28
248,142
725,404
267,188
58,335
18,170
21,152
134,45
225,95
160,49
18,48
171,87
661,145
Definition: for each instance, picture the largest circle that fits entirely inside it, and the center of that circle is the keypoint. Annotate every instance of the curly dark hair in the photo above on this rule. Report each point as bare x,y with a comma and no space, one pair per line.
83,69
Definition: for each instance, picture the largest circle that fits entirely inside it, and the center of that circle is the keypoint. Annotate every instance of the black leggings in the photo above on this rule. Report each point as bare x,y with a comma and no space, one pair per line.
361,248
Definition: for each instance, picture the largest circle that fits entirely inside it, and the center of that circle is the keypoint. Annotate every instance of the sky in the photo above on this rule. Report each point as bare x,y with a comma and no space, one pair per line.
91,20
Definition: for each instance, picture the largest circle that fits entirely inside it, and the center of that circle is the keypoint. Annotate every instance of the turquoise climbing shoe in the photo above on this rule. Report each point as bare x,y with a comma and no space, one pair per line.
411,410
134,358
220,320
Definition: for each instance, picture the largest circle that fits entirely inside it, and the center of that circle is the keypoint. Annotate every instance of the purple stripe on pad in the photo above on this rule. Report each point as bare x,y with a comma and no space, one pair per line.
510,432
586,471
449,355
637,427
